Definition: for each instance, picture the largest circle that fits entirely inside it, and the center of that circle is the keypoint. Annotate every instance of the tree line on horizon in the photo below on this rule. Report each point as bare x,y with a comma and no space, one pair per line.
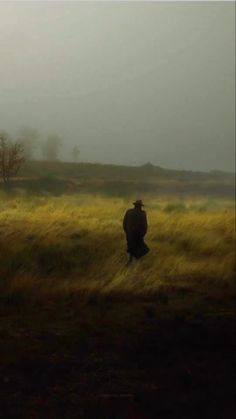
48,149
13,153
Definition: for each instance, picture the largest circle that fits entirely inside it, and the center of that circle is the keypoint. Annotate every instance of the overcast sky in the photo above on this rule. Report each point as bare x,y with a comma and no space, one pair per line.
128,82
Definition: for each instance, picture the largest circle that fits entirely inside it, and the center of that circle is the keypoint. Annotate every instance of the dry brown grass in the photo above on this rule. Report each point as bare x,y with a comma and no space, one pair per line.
76,323
75,245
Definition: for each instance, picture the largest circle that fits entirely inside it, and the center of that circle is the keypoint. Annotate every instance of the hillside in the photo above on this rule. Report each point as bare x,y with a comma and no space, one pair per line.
147,171
64,177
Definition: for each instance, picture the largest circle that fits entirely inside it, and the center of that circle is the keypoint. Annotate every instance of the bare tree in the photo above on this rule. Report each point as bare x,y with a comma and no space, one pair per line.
11,157
75,154
51,147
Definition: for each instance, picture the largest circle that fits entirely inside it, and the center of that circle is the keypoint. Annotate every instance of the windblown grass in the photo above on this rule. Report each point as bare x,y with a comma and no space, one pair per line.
77,324
75,246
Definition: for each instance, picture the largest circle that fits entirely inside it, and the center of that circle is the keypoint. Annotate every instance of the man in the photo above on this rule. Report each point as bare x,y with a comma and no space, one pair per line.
135,227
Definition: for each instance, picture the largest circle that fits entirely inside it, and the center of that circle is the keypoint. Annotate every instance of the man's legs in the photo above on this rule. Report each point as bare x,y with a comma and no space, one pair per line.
130,248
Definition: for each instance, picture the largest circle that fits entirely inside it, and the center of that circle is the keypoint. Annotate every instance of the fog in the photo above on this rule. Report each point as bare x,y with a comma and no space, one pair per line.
128,83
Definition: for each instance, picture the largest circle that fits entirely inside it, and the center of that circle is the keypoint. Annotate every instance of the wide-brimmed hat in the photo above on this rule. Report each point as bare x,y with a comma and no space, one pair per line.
139,202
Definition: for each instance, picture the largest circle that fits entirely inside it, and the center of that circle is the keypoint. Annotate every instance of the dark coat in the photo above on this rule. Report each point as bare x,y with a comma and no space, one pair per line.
135,226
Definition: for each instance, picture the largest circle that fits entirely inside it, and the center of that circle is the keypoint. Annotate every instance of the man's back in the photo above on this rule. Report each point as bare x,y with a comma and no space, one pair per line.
135,221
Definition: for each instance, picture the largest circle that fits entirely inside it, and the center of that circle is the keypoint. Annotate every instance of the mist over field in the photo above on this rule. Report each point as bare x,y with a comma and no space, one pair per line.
128,83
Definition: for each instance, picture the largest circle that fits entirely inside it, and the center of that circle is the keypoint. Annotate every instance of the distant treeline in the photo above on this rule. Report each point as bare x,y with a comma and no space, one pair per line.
35,146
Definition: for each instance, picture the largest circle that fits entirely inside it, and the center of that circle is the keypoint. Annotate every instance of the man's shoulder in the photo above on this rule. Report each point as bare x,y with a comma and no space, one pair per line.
134,211
130,210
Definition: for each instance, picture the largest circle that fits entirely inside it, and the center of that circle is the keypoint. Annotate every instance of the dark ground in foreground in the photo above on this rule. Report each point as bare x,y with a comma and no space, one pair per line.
115,361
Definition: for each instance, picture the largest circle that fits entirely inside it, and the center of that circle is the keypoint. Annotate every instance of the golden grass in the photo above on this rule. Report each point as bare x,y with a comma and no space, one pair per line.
75,245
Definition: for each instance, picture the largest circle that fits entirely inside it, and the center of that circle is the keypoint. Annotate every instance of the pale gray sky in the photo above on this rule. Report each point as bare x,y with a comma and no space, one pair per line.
128,82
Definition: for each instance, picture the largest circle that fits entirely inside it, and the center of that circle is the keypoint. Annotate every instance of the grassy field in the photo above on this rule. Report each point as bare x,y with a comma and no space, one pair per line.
84,336
76,244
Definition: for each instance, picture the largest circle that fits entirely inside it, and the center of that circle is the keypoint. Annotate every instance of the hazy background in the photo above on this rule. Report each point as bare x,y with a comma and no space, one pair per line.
129,83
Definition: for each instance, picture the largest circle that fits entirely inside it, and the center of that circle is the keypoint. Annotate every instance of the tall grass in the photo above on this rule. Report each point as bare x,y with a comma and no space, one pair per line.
75,245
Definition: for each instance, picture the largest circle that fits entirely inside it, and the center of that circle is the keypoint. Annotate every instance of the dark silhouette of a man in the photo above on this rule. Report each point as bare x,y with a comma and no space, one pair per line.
135,227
